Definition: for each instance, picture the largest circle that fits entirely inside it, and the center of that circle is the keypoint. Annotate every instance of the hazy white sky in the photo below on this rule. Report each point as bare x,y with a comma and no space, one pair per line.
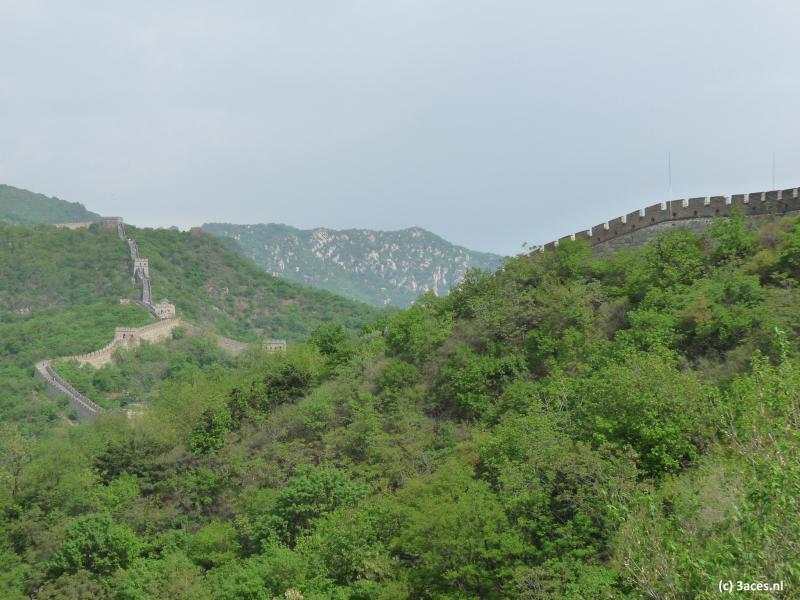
491,123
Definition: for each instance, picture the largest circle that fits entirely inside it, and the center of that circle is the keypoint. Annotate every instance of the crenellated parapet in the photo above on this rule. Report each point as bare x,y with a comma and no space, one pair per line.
775,202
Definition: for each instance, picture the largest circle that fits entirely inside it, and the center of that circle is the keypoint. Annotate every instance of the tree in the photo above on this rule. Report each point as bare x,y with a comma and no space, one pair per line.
667,416
472,382
562,495
209,434
97,544
674,258
334,343
415,333
263,577
734,240
348,546
455,537
213,545
311,493
15,455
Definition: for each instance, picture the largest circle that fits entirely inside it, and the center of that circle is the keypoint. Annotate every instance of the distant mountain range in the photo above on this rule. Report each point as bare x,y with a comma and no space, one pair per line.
28,208
378,267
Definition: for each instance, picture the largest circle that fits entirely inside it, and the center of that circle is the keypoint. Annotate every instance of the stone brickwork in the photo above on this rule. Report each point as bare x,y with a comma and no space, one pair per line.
141,266
639,227
57,387
164,310
81,225
105,222
273,345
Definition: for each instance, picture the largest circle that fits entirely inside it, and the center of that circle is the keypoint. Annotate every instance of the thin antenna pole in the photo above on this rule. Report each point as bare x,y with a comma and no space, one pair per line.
669,173
773,170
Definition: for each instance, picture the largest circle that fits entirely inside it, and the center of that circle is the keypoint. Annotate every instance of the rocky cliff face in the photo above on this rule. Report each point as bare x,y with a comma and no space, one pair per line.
379,267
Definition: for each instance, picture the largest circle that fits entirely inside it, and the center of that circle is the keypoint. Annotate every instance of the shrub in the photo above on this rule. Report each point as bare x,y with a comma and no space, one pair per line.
97,544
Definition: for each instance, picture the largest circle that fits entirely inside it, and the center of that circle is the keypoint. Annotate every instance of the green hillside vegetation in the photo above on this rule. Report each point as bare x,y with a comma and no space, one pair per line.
212,285
59,296
49,333
567,428
135,374
60,291
43,267
27,208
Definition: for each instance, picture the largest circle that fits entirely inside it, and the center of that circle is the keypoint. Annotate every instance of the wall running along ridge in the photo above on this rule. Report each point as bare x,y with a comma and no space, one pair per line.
127,337
637,228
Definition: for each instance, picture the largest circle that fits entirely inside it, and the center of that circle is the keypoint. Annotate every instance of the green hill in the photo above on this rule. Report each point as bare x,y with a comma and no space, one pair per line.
60,291
565,428
381,268
27,208
212,285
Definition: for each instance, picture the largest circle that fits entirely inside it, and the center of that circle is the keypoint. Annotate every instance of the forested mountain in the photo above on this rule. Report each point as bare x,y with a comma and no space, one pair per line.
60,292
379,267
212,285
27,208
565,428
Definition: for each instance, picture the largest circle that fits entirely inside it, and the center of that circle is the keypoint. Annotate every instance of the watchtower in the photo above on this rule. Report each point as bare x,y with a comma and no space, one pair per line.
274,345
164,310
143,265
111,222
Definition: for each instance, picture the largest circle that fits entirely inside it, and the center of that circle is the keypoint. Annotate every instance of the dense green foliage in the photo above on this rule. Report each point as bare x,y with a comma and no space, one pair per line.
567,428
42,267
27,208
381,268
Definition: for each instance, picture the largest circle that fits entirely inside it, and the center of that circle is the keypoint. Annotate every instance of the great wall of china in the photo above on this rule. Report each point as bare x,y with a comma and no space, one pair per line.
129,337
638,227
628,231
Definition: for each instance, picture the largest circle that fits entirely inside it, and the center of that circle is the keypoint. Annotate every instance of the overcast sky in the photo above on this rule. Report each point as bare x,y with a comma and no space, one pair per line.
491,123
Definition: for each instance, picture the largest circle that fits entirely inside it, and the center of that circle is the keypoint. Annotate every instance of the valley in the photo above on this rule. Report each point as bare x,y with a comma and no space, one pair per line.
547,426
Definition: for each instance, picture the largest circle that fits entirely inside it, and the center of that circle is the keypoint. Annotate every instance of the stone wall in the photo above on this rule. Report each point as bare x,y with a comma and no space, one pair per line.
98,358
637,239
164,310
83,225
645,224
105,222
273,345
234,347
130,337
141,265
57,387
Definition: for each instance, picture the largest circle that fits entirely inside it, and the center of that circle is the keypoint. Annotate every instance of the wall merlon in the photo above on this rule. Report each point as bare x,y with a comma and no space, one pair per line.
655,213
636,218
